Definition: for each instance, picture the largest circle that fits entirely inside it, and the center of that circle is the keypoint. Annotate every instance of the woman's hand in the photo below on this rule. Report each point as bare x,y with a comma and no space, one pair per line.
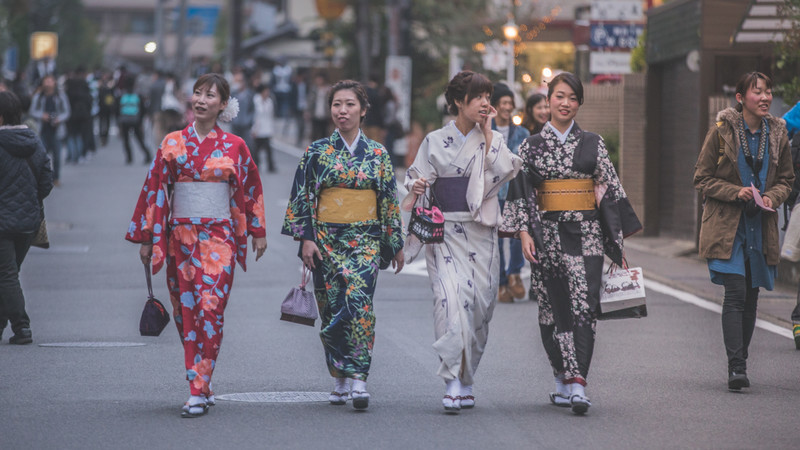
745,194
259,246
398,261
767,201
528,247
309,253
419,186
486,127
146,253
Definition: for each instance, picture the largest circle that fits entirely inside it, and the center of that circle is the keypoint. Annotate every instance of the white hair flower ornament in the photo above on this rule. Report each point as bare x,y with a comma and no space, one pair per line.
231,110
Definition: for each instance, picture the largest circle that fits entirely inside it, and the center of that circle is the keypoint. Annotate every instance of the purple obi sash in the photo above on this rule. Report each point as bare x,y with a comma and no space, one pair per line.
451,193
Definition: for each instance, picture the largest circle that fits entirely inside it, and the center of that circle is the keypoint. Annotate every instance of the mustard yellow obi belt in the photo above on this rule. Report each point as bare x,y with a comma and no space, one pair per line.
566,195
342,205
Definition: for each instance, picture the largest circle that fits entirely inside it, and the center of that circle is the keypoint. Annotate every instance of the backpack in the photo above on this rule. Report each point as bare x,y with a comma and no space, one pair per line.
130,106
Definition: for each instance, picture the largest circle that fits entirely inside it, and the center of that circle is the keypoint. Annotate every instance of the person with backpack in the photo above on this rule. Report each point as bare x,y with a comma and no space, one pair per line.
130,112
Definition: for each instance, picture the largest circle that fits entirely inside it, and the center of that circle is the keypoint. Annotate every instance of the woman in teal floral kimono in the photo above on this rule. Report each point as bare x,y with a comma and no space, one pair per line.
344,211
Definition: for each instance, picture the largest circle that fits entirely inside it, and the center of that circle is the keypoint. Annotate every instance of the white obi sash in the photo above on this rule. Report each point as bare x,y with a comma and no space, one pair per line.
211,200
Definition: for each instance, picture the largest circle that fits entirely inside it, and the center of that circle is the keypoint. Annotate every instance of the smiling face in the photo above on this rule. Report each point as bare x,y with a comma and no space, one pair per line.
564,105
505,107
476,109
207,103
541,112
757,100
346,110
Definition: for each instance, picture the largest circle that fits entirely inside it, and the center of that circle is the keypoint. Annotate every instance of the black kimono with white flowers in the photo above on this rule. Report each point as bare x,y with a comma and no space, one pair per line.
569,244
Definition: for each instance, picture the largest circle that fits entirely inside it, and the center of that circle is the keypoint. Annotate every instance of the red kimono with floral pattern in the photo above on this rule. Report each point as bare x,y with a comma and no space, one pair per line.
199,251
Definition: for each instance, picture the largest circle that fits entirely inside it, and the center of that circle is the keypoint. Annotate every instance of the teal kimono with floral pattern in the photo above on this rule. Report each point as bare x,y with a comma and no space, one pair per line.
352,254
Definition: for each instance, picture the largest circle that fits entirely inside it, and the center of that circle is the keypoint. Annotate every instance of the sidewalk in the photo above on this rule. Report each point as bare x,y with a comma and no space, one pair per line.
675,263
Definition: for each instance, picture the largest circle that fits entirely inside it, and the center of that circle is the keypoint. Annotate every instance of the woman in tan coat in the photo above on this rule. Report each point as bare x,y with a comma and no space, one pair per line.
746,155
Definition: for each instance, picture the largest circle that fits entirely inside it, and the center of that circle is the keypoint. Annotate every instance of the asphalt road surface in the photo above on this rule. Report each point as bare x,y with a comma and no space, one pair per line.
658,382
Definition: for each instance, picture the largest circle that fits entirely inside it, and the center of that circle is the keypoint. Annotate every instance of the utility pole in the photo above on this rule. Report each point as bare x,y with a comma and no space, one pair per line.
362,38
160,49
235,46
181,52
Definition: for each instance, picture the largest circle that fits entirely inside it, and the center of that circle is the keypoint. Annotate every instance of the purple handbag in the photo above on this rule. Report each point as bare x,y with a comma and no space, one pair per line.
300,306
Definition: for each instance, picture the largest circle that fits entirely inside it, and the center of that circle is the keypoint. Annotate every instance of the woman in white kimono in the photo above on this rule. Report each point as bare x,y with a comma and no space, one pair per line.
465,164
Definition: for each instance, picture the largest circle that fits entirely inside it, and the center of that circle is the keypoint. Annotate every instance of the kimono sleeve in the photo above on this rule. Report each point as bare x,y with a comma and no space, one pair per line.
617,217
521,210
253,197
422,166
149,222
501,165
389,210
300,213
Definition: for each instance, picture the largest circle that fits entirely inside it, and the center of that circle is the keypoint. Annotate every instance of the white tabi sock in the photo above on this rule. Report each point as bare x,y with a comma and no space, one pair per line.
454,387
360,385
341,386
562,388
577,389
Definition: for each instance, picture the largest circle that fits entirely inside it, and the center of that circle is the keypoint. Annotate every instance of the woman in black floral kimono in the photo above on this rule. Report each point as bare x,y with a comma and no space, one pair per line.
568,208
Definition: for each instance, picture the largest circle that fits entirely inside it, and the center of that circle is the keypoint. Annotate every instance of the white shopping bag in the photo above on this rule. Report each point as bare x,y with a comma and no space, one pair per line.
622,293
791,240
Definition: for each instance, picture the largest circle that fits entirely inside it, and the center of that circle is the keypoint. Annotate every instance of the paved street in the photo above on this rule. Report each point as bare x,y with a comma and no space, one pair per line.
658,382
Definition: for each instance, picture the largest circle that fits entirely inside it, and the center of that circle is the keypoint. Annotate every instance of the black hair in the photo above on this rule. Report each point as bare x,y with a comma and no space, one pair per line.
571,80
500,91
356,87
748,81
466,85
10,108
214,79
527,116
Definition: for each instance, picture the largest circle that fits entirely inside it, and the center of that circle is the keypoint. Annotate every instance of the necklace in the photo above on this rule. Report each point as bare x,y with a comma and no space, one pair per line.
748,154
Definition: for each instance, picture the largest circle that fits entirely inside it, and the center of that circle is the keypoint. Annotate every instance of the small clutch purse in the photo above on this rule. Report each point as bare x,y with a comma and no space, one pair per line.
154,316
299,306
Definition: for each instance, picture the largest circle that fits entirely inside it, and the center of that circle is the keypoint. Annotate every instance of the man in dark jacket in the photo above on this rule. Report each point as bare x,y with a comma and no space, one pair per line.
25,180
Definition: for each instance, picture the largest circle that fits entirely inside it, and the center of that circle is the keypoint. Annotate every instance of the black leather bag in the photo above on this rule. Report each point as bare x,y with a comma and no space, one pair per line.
154,316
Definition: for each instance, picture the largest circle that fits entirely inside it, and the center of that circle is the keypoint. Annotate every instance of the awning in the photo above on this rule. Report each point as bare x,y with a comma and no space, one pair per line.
762,23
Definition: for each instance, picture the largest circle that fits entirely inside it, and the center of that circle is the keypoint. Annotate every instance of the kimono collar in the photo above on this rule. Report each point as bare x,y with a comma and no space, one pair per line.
457,133
561,137
350,147
468,146
193,133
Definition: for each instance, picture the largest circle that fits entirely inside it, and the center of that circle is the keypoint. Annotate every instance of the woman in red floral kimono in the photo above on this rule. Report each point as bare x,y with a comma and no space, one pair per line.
200,201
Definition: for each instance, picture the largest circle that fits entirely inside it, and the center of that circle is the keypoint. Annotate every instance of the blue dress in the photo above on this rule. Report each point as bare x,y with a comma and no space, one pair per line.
747,245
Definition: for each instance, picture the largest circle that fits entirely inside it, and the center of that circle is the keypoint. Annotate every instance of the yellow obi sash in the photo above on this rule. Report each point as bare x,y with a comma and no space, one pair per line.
566,195
343,205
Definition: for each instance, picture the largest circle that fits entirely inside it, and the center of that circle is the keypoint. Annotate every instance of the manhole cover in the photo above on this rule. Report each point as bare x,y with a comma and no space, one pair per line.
275,397
93,344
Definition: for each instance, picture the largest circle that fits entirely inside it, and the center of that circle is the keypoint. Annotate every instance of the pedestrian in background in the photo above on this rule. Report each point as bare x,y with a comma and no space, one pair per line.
511,285
318,110
51,108
263,126
747,149
568,208
25,180
80,104
465,164
373,123
106,102
241,91
130,116
343,210
300,104
202,232
537,113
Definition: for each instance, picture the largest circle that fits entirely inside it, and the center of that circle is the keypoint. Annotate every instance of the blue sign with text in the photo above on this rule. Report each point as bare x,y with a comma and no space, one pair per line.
621,36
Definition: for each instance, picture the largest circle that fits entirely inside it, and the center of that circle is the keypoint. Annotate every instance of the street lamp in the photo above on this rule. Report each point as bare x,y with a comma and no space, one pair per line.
511,31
